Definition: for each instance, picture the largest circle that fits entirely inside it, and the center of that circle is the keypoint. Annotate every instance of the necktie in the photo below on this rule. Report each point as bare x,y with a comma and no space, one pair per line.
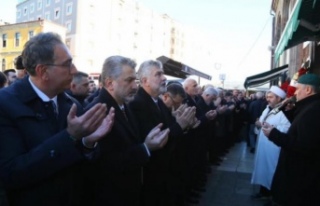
55,109
124,112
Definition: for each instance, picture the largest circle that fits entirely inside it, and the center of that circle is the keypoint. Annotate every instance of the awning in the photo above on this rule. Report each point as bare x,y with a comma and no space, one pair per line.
302,25
178,69
265,77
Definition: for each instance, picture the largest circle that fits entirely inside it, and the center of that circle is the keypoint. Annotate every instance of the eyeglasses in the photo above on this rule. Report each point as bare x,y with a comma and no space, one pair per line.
67,65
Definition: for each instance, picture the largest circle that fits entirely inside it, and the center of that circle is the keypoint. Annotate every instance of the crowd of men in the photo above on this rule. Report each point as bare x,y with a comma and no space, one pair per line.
65,142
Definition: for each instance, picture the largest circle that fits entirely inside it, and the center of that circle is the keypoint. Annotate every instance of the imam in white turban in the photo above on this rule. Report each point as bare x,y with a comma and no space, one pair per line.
277,91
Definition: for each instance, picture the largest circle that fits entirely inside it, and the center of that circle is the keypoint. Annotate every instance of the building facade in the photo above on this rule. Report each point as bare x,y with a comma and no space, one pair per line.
97,29
14,36
293,40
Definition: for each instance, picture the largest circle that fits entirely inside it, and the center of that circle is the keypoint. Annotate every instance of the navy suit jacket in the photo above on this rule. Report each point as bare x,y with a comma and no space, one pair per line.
37,155
118,170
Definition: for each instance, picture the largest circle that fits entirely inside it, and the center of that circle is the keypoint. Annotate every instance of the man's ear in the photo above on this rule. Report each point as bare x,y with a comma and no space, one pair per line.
309,89
72,85
41,71
108,82
144,80
165,96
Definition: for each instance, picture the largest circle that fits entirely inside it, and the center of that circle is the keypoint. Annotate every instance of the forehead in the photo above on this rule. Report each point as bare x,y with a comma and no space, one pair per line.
128,71
61,52
270,94
155,69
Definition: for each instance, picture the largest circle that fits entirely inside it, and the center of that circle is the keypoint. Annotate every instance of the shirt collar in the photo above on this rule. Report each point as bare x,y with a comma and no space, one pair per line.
42,95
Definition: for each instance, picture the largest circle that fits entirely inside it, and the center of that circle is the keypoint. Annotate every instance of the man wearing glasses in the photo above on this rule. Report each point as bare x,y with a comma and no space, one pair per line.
42,136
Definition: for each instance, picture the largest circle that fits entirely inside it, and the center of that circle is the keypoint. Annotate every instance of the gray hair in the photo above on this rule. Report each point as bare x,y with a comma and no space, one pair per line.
259,95
112,67
145,68
40,50
187,82
210,91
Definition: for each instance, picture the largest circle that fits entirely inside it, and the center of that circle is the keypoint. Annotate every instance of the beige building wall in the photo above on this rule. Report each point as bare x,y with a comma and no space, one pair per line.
25,30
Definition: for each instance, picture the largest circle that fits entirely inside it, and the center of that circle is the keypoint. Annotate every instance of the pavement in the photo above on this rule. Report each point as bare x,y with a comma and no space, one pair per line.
229,184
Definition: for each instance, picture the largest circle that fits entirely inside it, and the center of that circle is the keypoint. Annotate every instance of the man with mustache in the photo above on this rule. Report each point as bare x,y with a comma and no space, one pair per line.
296,181
118,171
150,111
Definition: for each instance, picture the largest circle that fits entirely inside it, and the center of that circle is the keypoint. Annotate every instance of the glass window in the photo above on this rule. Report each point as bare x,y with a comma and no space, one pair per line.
32,8
68,26
3,64
47,15
18,14
25,10
17,39
68,42
39,4
31,34
69,9
57,13
4,40
48,2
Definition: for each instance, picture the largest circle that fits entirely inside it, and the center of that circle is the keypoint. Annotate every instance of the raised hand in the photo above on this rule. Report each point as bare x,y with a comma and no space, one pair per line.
102,130
186,118
178,111
87,123
211,114
266,128
156,138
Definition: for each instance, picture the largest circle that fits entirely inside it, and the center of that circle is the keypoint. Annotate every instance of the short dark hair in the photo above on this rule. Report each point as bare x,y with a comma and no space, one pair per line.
77,77
228,94
40,50
6,72
176,89
18,63
3,79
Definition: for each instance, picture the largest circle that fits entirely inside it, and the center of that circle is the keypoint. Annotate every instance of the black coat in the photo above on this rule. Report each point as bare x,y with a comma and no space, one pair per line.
118,171
37,156
157,173
297,177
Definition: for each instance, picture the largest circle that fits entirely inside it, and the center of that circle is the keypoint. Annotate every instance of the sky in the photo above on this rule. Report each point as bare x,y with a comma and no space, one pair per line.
240,30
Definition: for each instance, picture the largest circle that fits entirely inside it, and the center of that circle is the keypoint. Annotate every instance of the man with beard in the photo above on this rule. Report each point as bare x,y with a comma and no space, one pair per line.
296,181
79,87
196,143
119,169
150,111
267,153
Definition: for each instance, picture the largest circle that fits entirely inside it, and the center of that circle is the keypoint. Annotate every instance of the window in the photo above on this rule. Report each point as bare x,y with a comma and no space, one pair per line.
18,13
25,10
69,8
17,39
57,13
68,26
39,5
48,3
32,8
47,16
4,40
68,42
3,64
31,34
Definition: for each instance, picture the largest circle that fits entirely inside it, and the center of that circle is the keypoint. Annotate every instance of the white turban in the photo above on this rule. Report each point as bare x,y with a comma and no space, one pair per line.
277,91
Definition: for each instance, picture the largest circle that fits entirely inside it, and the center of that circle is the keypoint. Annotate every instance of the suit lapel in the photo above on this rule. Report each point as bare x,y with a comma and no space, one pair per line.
105,97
